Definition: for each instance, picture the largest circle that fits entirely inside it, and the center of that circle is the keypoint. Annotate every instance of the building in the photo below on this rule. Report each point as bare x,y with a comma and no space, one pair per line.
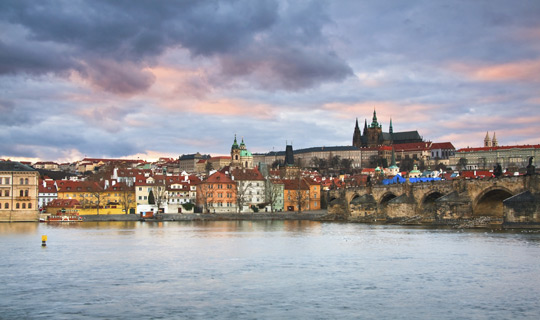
188,162
373,135
46,165
217,194
240,156
219,162
47,192
18,192
306,157
250,189
511,158
301,194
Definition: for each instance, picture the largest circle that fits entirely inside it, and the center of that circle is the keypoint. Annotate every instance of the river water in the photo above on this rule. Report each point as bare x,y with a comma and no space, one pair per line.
266,270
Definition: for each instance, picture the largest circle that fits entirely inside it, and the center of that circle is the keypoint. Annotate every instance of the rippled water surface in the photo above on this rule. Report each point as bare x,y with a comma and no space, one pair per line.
266,270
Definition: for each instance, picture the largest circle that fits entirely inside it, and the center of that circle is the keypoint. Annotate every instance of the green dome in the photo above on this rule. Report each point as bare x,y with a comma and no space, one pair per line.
245,153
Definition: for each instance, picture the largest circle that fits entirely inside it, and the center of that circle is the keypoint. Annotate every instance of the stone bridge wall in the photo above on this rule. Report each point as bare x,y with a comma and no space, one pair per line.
439,201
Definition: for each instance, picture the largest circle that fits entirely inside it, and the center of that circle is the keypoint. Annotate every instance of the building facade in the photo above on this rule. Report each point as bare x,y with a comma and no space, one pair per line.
18,192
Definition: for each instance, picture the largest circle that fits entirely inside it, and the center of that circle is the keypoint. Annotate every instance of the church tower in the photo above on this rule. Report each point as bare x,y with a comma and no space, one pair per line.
494,141
487,141
357,137
374,132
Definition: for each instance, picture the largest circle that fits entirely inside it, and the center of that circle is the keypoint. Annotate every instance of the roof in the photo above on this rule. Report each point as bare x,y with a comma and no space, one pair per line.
414,146
247,174
536,146
77,186
63,203
219,177
14,166
442,145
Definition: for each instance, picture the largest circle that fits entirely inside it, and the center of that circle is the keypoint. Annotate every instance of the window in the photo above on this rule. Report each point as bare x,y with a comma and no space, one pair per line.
16,206
6,193
6,205
26,193
21,181
21,193
7,180
29,206
26,181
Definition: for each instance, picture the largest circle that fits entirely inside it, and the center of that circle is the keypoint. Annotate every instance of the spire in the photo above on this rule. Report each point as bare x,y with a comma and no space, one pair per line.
356,124
487,140
391,130
494,141
374,123
235,144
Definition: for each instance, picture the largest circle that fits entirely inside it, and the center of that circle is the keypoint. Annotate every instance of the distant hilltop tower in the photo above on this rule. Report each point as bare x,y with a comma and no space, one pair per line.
488,142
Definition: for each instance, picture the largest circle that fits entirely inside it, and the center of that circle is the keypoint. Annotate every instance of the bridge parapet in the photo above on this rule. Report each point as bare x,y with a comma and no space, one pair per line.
434,201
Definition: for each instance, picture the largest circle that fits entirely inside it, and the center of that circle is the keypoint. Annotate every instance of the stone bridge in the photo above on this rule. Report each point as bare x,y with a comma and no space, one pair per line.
512,200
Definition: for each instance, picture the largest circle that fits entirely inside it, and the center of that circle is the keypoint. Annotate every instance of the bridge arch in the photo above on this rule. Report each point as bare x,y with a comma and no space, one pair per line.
490,202
428,201
386,198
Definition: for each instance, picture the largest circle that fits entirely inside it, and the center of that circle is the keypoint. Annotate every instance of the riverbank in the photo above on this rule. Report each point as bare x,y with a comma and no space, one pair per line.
307,215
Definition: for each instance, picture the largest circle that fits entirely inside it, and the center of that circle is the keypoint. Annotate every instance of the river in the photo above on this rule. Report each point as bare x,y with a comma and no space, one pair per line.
266,270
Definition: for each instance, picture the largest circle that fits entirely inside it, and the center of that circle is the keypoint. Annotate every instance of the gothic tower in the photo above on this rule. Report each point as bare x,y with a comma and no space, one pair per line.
487,140
357,137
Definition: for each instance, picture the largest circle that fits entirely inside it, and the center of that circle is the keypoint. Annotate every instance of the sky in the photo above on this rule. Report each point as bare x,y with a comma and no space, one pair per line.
149,79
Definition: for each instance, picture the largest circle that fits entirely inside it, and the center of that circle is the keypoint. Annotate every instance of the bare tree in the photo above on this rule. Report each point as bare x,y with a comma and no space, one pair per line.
99,197
203,196
241,195
160,194
273,193
126,198
301,196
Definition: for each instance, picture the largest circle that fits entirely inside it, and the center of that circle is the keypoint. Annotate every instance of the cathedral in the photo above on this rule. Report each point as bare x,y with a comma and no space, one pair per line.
373,136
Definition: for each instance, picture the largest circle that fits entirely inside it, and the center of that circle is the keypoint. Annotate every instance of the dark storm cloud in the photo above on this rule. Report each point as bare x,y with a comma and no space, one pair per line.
111,42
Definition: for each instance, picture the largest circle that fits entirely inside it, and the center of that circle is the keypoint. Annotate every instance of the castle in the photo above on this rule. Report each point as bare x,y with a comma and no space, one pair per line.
373,136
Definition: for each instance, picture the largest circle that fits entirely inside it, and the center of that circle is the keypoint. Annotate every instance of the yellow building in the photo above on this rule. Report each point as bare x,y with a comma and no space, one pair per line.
96,199
18,192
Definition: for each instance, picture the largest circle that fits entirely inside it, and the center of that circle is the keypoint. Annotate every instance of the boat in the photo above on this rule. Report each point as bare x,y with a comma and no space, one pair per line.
63,217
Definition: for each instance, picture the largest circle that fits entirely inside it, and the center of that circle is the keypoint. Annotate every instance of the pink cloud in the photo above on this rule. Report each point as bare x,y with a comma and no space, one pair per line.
528,70
385,110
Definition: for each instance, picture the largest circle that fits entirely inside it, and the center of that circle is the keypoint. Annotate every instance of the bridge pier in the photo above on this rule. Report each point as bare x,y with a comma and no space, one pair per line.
473,202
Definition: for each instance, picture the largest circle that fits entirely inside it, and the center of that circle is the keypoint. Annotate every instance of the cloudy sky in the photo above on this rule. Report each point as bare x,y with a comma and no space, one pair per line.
163,78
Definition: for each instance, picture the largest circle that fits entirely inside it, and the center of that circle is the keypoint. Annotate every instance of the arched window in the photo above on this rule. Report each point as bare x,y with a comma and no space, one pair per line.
29,206
6,205
21,181
16,206
21,193
26,193
26,181
6,193
24,205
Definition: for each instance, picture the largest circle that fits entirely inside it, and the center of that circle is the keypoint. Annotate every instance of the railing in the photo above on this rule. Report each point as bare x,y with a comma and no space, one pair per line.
23,198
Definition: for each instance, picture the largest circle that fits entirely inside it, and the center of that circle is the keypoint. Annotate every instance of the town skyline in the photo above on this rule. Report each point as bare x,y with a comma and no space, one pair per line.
105,80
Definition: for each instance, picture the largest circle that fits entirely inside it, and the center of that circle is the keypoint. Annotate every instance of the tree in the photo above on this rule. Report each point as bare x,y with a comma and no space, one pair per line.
346,164
160,194
462,163
274,191
208,167
241,194
126,198
151,198
277,163
335,162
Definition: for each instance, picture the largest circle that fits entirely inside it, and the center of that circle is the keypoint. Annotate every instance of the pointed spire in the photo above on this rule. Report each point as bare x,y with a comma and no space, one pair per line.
391,130
494,141
356,123
487,140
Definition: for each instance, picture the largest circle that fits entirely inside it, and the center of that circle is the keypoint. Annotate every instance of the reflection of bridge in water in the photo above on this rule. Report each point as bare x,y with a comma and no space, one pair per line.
497,200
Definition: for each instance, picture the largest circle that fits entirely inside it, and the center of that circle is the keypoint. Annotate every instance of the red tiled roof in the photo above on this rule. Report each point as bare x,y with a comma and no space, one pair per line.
77,186
536,146
64,203
246,174
442,145
219,177
412,146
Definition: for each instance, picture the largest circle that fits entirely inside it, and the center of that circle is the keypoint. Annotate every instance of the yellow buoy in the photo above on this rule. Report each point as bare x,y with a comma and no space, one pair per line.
43,240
